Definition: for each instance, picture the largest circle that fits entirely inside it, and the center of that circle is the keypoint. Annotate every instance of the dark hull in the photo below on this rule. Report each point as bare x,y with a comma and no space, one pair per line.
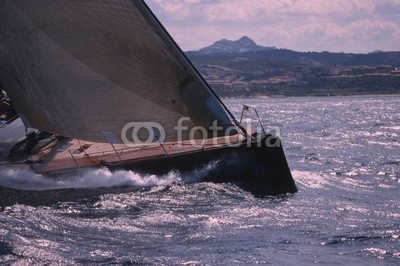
257,167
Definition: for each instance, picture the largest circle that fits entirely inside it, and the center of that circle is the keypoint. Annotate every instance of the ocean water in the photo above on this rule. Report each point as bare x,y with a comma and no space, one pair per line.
344,153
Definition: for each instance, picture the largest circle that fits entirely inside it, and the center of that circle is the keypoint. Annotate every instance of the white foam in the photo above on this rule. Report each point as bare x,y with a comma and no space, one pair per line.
309,179
350,183
393,127
376,251
385,144
28,180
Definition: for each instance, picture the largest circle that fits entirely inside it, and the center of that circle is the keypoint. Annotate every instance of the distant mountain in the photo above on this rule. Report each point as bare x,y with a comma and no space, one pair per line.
247,48
243,45
244,68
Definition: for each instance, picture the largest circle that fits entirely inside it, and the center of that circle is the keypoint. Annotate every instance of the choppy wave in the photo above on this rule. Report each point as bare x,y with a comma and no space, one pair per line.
309,179
343,152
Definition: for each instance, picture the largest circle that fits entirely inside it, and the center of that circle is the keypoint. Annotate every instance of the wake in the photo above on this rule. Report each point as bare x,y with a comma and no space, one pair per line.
91,178
95,178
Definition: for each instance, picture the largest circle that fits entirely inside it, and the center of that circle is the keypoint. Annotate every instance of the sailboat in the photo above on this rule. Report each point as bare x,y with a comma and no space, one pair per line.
99,83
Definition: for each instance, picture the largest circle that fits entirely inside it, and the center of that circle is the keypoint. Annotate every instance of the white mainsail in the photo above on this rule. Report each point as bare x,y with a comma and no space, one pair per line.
85,68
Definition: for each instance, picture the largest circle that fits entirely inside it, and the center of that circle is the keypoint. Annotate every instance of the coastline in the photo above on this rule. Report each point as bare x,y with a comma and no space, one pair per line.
306,95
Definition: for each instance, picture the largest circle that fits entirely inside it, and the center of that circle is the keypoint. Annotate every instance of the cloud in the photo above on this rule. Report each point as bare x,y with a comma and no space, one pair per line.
333,25
361,35
388,8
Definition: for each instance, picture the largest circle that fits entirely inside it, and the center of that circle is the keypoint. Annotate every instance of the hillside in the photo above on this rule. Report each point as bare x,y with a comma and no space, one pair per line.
244,68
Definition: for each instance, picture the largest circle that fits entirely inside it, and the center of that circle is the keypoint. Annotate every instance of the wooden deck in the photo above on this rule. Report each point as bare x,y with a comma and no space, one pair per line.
69,154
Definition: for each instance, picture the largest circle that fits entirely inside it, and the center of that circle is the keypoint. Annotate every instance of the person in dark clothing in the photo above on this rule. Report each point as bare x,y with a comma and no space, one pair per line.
7,110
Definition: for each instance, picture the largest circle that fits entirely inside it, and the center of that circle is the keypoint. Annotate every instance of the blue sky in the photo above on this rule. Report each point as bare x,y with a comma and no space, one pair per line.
358,26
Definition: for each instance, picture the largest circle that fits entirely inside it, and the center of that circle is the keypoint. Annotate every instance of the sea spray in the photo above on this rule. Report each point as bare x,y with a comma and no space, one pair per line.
90,178
24,179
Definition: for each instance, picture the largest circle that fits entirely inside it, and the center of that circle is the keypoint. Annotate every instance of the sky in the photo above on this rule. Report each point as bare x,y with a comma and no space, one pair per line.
356,26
